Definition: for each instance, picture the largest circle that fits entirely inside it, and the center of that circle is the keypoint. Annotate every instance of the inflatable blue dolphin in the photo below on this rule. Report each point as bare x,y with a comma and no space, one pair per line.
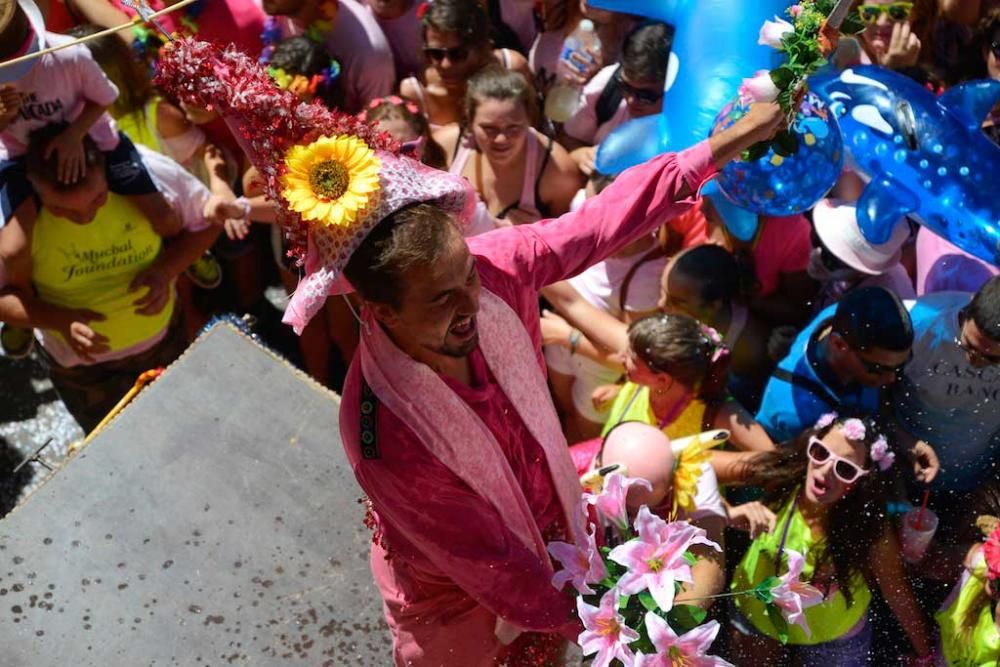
714,49
924,156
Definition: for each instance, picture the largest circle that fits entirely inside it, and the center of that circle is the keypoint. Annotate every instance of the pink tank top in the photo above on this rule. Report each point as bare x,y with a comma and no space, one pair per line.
529,199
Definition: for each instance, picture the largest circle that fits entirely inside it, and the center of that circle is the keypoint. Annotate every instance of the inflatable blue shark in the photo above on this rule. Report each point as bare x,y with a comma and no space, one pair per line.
925,156
714,49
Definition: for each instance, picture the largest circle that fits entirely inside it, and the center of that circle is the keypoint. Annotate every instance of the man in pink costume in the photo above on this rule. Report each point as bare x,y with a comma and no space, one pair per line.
446,418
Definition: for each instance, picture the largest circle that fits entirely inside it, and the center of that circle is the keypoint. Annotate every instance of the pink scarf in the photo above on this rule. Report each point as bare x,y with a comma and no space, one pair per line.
454,434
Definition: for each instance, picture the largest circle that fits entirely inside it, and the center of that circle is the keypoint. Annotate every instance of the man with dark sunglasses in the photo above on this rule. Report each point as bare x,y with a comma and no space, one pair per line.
950,395
842,362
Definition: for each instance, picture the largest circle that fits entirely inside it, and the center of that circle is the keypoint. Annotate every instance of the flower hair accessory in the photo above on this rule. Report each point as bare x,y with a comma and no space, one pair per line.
396,101
990,525
333,175
854,429
422,10
719,349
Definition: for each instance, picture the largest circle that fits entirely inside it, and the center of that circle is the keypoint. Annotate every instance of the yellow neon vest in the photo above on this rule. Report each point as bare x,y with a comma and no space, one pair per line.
91,266
980,644
624,409
829,620
141,127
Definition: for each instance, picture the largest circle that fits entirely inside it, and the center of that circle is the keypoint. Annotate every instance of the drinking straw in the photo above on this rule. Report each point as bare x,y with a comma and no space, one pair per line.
923,508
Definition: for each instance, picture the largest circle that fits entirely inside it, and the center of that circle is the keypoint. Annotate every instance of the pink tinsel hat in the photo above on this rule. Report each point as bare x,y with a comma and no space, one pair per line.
279,133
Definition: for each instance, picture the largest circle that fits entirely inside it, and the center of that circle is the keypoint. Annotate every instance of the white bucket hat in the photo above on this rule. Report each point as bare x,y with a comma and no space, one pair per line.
36,41
836,224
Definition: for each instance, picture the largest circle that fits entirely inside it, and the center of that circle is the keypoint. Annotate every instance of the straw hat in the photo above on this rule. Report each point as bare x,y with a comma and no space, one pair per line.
8,9
836,224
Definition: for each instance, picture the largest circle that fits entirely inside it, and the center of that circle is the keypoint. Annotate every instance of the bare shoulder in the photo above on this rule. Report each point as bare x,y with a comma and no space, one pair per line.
170,120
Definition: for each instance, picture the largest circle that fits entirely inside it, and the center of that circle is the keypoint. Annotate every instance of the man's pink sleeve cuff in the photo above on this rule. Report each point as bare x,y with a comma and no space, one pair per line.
697,165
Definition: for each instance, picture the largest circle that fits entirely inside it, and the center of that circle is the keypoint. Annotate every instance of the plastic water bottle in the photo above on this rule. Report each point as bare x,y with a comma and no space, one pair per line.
564,97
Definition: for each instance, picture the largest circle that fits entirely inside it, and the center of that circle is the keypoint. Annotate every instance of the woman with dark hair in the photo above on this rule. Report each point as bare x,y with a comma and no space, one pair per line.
305,67
520,174
457,44
826,487
677,370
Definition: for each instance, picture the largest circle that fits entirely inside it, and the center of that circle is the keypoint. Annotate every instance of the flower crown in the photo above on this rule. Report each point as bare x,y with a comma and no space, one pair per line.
396,101
332,175
854,429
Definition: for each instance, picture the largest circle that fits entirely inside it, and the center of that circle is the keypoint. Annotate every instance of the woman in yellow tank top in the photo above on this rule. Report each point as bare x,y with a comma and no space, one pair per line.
142,114
970,634
677,370
826,488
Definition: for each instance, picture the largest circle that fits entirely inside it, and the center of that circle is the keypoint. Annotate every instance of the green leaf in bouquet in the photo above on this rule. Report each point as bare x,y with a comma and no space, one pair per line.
646,598
623,602
786,144
762,591
779,623
756,152
685,617
782,76
690,558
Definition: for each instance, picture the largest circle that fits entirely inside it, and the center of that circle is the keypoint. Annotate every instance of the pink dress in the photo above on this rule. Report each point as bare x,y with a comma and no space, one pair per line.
445,558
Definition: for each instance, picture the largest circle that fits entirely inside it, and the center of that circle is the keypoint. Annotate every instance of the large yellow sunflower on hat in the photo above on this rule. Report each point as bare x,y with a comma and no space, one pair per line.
332,181
688,467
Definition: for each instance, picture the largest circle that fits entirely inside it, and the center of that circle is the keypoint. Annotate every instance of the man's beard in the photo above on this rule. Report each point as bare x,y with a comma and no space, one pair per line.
460,351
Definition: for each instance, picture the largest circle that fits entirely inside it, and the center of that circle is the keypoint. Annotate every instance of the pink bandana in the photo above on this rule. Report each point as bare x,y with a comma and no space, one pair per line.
451,430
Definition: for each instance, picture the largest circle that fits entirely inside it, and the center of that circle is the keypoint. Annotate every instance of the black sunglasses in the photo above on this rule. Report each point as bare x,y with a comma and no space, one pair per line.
455,54
644,95
875,368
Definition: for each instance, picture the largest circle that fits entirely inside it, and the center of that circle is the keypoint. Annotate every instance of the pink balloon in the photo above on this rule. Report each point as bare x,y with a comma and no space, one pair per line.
645,452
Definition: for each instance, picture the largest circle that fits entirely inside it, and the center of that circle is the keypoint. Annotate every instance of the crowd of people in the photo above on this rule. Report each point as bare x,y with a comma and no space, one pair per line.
131,218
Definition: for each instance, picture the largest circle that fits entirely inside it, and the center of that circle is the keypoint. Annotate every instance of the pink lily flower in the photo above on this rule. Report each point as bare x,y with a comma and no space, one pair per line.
760,88
687,650
792,596
655,560
795,11
580,566
772,32
605,632
610,503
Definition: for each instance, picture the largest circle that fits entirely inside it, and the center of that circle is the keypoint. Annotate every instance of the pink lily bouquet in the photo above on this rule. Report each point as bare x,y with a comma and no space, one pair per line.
807,42
626,590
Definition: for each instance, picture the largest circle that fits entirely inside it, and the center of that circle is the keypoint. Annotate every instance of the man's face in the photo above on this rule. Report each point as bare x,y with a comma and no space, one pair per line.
439,305
643,97
680,293
980,350
283,7
79,204
875,367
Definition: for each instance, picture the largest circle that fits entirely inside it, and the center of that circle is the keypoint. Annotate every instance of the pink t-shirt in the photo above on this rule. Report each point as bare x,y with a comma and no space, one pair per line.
55,91
782,247
406,40
363,51
224,22
582,125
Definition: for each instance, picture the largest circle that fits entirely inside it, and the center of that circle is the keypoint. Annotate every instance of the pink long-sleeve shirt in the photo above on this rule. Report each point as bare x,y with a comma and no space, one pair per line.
448,565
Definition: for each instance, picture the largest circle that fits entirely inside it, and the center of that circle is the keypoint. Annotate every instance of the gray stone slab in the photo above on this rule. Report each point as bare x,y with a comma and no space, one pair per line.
214,522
